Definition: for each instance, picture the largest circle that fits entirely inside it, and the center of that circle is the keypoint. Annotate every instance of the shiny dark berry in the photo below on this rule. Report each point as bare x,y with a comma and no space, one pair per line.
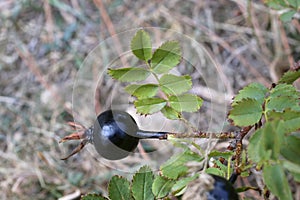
223,190
114,134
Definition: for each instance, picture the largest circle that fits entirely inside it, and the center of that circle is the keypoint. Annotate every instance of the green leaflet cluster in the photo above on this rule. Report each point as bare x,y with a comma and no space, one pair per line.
276,145
273,148
289,8
169,93
145,185
119,188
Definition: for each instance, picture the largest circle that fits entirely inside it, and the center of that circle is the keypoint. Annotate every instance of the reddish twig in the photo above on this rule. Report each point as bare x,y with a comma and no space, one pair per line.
111,29
239,146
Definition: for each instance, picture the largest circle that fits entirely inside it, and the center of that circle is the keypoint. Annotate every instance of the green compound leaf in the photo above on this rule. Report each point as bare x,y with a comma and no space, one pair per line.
185,103
141,45
277,182
162,186
142,184
166,57
290,117
142,91
93,197
129,74
246,112
290,149
282,97
150,105
175,166
170,113
119,188
289,77
253,91
175,85
266,142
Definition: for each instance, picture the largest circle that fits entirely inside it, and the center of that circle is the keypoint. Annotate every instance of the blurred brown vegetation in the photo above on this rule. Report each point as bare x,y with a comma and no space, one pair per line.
44,43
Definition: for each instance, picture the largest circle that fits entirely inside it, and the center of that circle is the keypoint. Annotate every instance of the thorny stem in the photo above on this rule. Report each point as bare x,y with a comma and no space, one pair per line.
238,145
86,135
200,134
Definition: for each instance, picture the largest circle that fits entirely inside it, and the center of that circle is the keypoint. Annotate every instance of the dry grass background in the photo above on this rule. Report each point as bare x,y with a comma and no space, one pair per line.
44,43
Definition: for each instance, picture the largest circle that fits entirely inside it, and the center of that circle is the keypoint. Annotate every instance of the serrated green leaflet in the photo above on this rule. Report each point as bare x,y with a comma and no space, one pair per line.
162,186
225,155
129,74
246,112
255,149
281,98
289,77
175,166
287,16
182,183
93,197
142,91
220,165
284,90
290,117
215,171
291,149
291,166
142,184
273,135
280,104
150,105
253,91
277,182
170,113
287,115
292,125
175,85
185,103
119,188
141,45
166,57
266,142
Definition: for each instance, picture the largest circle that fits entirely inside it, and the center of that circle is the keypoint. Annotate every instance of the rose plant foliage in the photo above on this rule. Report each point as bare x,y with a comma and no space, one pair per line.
270,114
